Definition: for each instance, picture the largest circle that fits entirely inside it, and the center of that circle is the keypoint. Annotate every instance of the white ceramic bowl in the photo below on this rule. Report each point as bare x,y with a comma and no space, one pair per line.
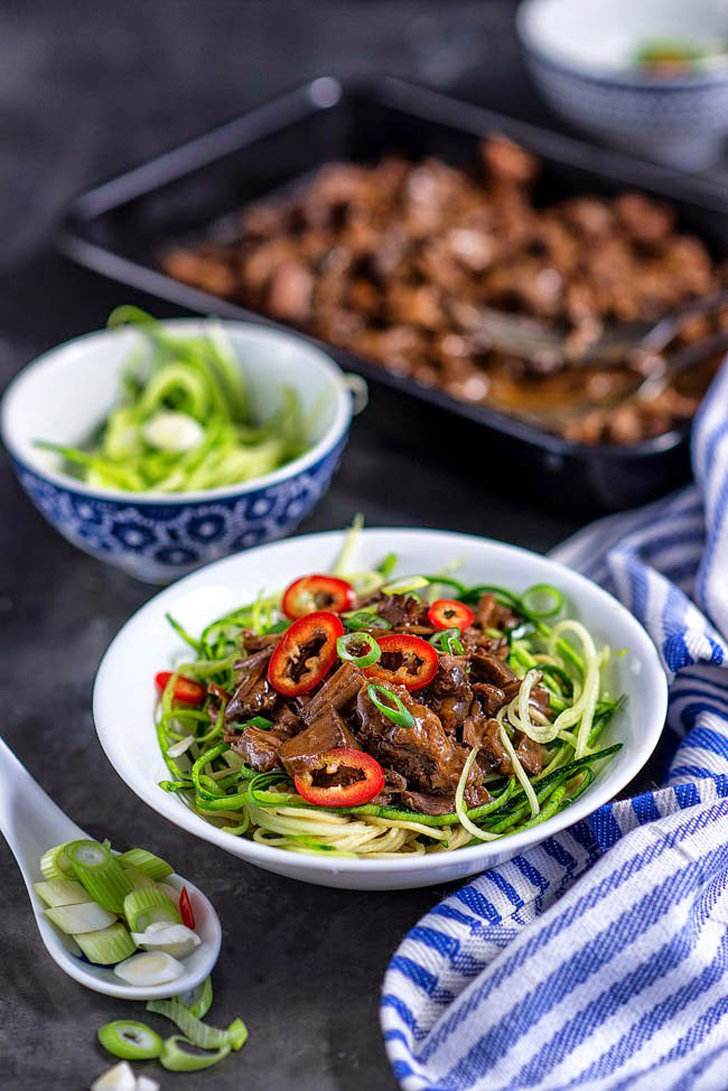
64,395
124,698
580,52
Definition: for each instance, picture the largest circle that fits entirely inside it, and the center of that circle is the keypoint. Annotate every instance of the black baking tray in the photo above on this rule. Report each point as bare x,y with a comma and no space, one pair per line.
120,229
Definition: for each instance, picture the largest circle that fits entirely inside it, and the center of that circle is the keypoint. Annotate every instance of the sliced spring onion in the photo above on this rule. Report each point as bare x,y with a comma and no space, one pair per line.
448,640
54,864
180,746
119,1078
145,1083
138,880
198,1000
258,721
179,1055
365,619
131,1040
198,1033
61,892
108,945
151,865
361,649
542,600
100,873
84,917
149,968
144,907
390,705
343,563
387,565
404,586
177,940
172,431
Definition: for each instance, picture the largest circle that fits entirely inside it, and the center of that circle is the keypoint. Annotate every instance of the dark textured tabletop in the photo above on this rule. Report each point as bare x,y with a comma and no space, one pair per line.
87,89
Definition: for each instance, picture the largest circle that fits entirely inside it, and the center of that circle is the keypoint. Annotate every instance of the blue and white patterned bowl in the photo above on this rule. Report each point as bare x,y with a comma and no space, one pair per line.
64,394
580,54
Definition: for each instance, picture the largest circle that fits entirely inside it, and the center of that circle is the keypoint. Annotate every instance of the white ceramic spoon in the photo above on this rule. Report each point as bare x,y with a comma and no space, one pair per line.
31,823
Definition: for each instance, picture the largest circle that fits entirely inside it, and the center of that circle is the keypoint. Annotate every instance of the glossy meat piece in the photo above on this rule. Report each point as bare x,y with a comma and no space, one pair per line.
424,754
304,750
449,694
405,613
258,748
338,690
254,695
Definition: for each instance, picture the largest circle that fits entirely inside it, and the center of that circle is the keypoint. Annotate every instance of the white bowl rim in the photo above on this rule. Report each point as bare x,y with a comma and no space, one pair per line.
170,807
335,432
604,77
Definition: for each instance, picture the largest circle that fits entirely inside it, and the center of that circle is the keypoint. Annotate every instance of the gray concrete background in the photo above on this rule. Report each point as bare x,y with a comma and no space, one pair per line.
87,89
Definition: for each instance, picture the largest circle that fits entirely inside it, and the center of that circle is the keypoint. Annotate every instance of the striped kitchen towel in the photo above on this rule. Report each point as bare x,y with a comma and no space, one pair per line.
599,959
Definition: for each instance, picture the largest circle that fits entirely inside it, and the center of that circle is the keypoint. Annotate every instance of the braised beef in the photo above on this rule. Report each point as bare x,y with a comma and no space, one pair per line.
339,690
530,754
429,802
482,731
252,642
405,612
425,754
257,747
491,697
254,695
305,749
396,261
449,694
422,763
492,669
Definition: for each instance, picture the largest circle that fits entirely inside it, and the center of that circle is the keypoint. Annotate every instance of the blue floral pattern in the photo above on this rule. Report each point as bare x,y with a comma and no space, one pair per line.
159,542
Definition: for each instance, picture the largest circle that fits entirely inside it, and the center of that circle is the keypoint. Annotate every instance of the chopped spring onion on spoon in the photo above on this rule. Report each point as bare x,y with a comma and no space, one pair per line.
176,939
54,864
100,873
61,892
76,919
131,1040
107,946
149,968
147,862
144,907
138,879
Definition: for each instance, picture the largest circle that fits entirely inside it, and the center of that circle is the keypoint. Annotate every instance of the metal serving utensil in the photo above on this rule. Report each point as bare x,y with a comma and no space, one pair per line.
542,343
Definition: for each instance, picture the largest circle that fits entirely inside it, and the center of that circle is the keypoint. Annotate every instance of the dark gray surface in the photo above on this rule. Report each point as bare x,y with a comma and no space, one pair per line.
87,89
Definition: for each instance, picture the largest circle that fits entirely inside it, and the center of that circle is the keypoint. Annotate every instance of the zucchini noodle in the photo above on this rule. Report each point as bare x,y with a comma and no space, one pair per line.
561,706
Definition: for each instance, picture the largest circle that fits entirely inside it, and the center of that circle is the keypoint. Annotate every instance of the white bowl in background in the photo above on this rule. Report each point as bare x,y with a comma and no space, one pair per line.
579,53
65,394
124,697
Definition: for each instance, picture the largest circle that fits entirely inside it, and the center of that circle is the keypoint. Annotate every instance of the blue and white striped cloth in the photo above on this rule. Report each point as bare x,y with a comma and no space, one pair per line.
599,959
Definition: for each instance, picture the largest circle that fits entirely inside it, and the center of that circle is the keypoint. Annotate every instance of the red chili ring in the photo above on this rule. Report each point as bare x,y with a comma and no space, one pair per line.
418,661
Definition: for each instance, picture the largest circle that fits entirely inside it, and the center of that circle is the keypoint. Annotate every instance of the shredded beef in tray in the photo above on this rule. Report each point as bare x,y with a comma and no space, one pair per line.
396,262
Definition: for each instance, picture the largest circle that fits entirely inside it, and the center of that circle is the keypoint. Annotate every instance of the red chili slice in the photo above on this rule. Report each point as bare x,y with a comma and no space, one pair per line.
185,909
305,653
450,614
317,592
342,777
186,690
406,660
